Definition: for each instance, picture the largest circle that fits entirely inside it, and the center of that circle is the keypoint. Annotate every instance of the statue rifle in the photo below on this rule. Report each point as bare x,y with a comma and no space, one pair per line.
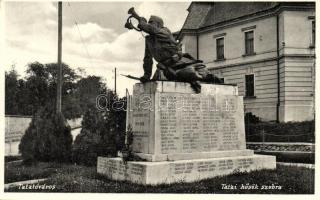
132,77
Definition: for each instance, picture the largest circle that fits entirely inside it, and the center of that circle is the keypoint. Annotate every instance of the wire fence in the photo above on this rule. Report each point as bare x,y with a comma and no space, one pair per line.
280,135
264,136
257,131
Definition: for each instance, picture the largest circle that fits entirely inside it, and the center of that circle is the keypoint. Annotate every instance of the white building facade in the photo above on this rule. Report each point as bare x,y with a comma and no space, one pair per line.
266,48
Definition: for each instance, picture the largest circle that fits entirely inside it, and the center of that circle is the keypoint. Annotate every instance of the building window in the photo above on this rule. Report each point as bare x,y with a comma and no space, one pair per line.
313,42
249,40
249,85
220,48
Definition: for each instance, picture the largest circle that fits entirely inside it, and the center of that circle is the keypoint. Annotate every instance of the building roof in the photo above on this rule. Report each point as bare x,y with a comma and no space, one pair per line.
197,13
204,14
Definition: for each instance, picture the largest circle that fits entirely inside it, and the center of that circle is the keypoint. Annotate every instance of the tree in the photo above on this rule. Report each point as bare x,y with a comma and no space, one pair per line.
22,102
26,96
37,86
42,82
88,89
11,90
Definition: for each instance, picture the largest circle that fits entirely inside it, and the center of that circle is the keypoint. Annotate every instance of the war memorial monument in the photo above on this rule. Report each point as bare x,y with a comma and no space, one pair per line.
186,125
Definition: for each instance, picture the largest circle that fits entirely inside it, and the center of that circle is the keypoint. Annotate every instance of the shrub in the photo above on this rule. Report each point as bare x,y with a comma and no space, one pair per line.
48,138
102,134
249,118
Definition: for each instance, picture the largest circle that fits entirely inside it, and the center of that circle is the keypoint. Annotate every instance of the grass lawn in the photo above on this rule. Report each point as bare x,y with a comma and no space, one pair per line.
75,178
18,172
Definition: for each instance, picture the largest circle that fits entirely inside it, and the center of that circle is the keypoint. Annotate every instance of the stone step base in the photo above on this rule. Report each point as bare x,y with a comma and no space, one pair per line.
181,171
194,155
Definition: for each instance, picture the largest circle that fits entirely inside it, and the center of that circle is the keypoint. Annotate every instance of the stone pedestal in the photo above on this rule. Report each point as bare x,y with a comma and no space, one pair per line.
184,136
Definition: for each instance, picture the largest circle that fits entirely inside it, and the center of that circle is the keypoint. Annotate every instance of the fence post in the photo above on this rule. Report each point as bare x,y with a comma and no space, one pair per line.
10,149
263,145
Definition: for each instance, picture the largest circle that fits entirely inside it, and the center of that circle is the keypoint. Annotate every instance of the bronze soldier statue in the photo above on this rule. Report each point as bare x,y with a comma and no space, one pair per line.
173,65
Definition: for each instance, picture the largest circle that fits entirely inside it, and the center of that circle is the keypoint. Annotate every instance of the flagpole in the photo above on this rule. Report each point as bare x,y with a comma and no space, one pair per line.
59,77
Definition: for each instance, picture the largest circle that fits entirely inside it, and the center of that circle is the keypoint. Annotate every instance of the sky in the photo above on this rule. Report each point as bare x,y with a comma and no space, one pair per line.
98,44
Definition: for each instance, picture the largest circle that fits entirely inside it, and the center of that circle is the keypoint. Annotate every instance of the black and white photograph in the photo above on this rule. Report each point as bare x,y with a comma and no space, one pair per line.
138,98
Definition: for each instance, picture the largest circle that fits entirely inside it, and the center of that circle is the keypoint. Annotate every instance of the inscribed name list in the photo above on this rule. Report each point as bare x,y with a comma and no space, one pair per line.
198,123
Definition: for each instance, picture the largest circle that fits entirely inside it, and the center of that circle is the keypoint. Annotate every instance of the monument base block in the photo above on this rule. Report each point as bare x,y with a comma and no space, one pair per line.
195,155
181,170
